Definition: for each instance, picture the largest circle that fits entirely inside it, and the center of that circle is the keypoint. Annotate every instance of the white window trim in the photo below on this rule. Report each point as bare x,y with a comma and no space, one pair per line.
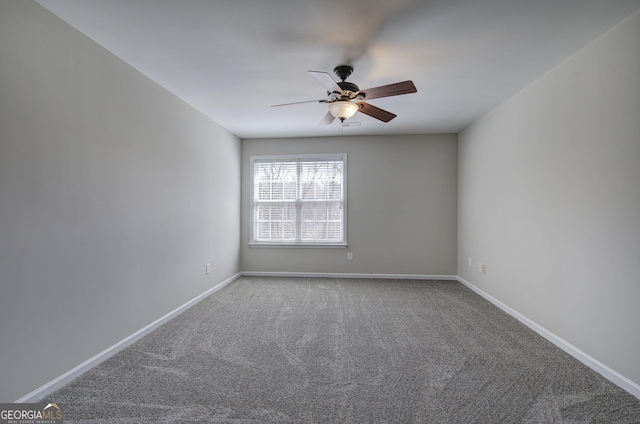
298,244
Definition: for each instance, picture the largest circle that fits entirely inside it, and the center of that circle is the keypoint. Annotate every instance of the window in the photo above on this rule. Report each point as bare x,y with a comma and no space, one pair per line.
298,200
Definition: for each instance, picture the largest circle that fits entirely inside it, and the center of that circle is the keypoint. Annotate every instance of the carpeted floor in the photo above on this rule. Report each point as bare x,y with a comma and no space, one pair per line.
312,350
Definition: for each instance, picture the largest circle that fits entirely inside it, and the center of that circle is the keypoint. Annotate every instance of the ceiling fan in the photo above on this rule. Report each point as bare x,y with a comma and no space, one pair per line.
345,98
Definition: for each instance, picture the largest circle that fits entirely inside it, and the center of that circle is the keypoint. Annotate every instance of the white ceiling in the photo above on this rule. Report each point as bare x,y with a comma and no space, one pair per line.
233,59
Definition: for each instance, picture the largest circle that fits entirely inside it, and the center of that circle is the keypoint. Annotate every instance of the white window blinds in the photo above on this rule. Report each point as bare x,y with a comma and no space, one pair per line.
298,200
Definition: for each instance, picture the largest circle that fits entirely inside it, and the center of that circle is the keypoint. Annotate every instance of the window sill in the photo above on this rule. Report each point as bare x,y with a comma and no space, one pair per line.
300,245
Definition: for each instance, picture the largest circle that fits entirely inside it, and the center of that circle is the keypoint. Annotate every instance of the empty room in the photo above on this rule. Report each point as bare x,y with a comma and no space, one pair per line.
320,211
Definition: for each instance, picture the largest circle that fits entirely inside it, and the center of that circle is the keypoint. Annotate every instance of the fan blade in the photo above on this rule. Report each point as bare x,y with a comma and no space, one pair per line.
326,81
396,89
328,118
299,103
375,112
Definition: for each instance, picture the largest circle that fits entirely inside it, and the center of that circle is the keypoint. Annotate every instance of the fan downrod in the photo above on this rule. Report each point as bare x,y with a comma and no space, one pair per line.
349,89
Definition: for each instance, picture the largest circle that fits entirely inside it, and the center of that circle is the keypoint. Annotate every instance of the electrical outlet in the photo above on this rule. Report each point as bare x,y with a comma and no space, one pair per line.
208,268
349,256
482,268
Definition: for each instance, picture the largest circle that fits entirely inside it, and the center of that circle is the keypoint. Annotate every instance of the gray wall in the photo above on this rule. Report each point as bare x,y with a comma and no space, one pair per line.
114,195
549,198
401,206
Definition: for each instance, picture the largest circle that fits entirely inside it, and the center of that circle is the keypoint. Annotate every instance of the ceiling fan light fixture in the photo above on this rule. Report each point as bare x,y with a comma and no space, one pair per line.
343,109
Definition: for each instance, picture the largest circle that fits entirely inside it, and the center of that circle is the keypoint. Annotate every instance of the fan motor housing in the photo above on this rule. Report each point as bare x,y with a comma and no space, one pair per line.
348,86
350,91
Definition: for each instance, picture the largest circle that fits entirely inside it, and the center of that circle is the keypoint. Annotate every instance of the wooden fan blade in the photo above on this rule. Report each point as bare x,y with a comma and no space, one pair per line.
396,89
375,112
326,81
328,119
299,103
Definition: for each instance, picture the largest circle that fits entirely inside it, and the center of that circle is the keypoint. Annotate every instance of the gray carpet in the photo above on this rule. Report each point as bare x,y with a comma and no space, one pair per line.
303,350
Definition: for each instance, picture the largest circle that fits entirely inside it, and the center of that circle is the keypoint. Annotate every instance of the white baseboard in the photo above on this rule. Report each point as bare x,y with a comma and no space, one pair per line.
349,275
608,373
72,374
591,362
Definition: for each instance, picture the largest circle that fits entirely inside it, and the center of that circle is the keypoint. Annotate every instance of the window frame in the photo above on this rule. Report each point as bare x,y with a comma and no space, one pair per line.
298,242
